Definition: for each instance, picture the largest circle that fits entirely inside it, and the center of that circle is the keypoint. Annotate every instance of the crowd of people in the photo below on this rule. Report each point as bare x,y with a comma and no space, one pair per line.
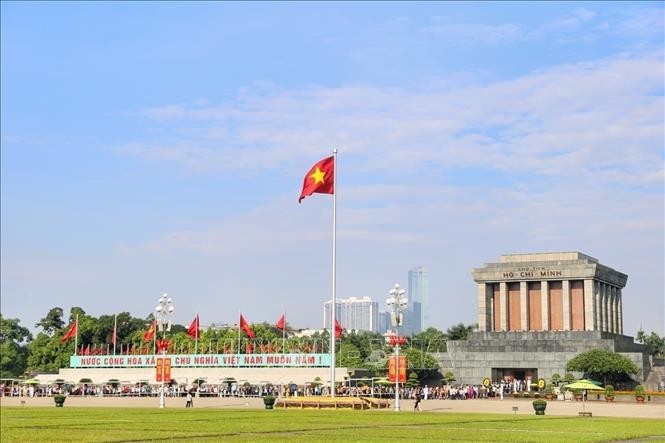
442,392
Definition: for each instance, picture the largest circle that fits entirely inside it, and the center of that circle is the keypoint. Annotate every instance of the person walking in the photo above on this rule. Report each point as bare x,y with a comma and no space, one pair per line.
190,403
416,406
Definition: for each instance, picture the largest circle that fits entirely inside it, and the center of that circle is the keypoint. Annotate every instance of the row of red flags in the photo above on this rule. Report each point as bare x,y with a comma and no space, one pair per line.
193,329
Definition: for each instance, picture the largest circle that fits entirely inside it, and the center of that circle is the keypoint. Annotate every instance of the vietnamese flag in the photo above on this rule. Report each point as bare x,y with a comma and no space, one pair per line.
193,330
245,327
150,333
71,332
338,329
281,323
320,179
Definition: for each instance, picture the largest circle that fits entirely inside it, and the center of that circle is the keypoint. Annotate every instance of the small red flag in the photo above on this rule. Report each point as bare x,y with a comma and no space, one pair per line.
245,327
338,329
71,332
320,179
281,323
193,330
150,333
87,350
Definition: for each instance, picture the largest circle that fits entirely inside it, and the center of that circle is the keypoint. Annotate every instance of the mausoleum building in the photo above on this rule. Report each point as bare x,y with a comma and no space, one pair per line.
536,312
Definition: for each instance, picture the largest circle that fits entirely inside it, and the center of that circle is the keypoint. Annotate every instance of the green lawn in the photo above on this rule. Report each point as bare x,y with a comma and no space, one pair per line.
192,425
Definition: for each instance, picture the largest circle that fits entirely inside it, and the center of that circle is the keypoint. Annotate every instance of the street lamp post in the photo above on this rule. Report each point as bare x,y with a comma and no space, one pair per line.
396,303
163,318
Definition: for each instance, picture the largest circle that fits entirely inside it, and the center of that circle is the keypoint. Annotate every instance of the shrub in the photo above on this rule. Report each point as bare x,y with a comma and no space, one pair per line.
639,391
609,390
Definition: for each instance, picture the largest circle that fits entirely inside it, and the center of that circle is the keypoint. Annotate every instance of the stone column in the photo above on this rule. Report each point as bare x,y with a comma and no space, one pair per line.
613,310
503,297
620,310
525,321
544,305
566,305
491,308
483,314
482,307
605,301
589,314
598,307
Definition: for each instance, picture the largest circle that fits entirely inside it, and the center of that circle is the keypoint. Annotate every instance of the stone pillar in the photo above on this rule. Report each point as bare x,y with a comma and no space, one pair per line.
503,297
491,308
483,314
589,313
613,310
598,307
620,310
605,301
566,305
544,305
525,321
482,307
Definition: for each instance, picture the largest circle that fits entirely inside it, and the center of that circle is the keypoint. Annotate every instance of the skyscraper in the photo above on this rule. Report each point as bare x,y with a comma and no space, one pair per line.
419,297
353,313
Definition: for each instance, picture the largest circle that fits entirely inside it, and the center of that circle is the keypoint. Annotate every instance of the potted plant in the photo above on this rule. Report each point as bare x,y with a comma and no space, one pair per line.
539,406
526,394
556,379
516,395
59,400
269,401
549,392
640,393
578,394
609,393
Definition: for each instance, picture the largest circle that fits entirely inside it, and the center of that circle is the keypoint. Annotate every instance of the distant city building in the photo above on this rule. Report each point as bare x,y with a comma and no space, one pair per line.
361,314
418,294
383,322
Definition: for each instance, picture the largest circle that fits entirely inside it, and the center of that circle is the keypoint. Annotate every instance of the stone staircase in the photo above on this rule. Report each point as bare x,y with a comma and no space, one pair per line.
655,378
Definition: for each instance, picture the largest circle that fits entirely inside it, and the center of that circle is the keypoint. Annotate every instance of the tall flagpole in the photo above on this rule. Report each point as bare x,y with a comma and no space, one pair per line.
115,331
334,276
196,343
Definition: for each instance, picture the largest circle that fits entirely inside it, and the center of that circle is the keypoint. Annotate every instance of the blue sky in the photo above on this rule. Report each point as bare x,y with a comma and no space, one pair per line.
152,147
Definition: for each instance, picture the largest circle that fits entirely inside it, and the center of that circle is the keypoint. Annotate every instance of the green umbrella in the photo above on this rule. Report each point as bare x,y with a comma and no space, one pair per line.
584,384
32,381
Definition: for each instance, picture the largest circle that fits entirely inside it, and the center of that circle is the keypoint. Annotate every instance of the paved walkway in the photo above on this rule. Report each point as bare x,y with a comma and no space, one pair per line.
524,407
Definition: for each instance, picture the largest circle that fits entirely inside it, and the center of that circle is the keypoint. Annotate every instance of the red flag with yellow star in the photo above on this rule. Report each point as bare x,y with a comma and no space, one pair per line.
320,179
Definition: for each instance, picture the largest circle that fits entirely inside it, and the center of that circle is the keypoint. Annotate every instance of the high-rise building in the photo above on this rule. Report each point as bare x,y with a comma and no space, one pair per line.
353,313
418,295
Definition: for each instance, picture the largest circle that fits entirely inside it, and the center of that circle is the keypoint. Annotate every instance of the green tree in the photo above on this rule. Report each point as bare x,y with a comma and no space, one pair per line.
449,377
349,356
430,340
601,364
459,331
654,343
52,322
13,347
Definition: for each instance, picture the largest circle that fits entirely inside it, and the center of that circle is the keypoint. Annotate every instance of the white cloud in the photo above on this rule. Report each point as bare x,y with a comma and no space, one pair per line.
607,113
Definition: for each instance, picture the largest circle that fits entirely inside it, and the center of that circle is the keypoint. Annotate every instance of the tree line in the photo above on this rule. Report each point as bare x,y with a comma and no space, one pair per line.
22,354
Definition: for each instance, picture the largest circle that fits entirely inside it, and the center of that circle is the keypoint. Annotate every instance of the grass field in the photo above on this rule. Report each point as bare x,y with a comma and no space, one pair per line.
193,425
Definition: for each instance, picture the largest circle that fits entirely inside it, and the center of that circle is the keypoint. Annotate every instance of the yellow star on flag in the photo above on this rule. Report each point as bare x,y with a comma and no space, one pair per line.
318,176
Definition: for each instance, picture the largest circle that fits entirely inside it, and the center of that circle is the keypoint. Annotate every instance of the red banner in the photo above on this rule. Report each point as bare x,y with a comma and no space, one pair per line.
392,368
163,367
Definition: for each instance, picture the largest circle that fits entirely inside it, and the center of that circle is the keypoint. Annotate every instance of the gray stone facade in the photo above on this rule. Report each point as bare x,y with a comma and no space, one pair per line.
547,353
